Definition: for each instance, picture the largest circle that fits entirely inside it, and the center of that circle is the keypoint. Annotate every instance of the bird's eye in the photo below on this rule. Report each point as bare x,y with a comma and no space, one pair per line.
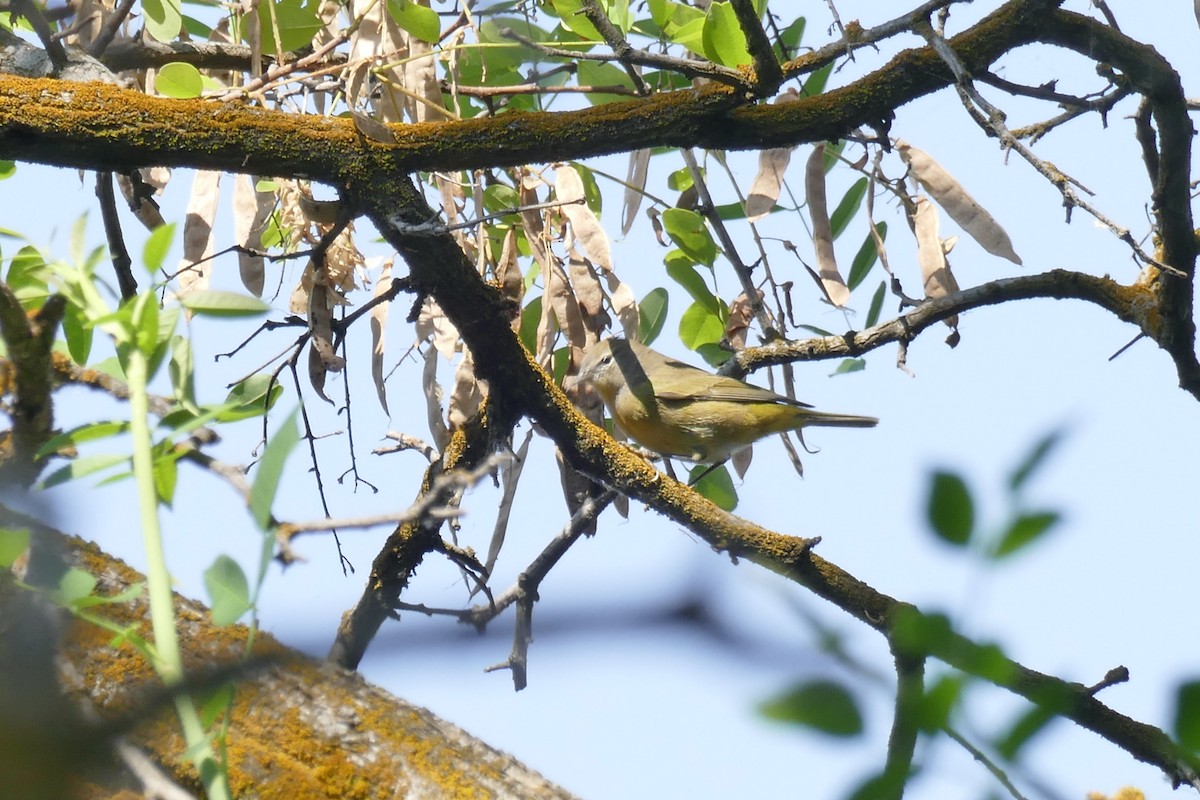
605,361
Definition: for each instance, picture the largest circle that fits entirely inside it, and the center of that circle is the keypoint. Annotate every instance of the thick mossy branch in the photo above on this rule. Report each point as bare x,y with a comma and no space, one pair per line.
102,127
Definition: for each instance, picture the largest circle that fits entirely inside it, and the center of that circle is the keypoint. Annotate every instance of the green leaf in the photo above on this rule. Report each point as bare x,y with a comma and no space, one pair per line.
298,23
1187,715
951,511
163,19
792,35
1034,460
723,40
157,244
815,84
270,470
917,633
1027,726
217,303
847,207
939,702
144,321
530,318
421,21
228,591
28,273
1027,528
876,304
652,314
574,20
824,705
596,73
179,80
166,475
214,704
670,16
689,232
7,169
89,432
183,373
78,333
849,365
250,398
717,486
73,586
13,543
700,326
865,258
687,276
82,467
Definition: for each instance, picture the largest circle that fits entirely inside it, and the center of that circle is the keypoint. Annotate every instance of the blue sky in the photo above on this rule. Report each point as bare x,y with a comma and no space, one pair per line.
626,703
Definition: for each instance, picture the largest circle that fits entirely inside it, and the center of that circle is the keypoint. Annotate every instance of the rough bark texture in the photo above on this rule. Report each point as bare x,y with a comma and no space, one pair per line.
300,728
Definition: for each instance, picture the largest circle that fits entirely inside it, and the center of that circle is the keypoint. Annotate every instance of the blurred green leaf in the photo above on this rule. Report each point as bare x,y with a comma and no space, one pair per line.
217,303
815,83
1027,528
848,365
73,586
228,591
939,702
88,432
1032,722
158,243
824,705
270,470
1187,715
82,467
13,543
1036,457
951,511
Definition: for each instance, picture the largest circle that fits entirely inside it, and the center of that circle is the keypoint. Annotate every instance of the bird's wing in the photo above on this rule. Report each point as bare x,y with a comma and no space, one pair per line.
685,382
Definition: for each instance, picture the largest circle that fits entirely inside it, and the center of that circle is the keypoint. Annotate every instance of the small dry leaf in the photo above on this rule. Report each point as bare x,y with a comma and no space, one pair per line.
568,316
818,209
510,475
251,213
589,296
433,401
379,318
467,395
772,164
317,371
624,305
423,90
197,233
931,254
321,212
741,461
508,269
372,128
320,329
568,188
432,323
635,183
741,314
144,208
957,202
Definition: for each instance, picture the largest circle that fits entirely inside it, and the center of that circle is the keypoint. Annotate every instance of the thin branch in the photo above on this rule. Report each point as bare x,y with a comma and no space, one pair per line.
41,26
118,252
109,31
767,74
616,40
709,209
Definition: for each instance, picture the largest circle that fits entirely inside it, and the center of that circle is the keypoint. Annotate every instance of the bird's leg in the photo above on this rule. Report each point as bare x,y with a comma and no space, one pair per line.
670,469
694,480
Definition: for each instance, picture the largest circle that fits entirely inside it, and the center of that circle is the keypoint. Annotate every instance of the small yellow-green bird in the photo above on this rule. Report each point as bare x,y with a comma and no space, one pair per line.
678,410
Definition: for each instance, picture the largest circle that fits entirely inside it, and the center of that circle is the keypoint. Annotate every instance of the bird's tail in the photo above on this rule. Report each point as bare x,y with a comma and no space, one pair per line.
811,417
